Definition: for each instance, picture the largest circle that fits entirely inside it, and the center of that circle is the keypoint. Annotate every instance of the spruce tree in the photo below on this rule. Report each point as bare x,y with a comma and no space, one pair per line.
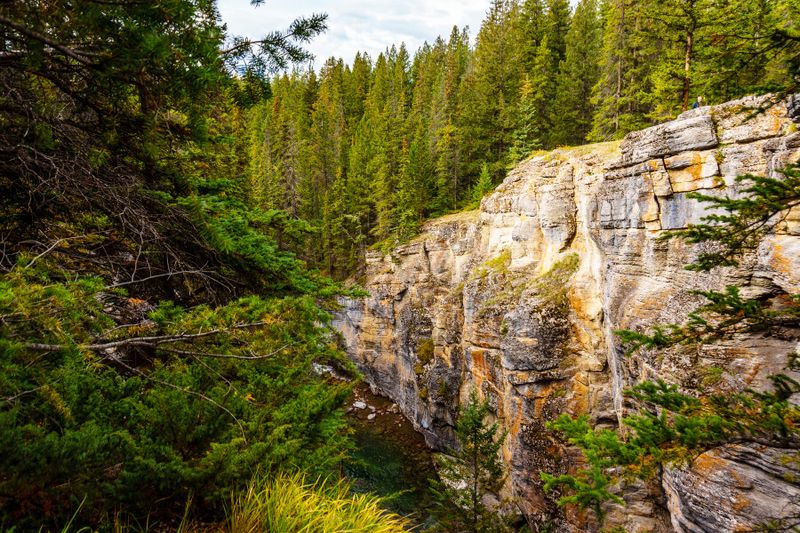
428,73
577,76
490,92
536,110
627,57
447,133
750,49
558,24
483,185
361,205
683,30
448,175
328,163
532,27
356,86
470,471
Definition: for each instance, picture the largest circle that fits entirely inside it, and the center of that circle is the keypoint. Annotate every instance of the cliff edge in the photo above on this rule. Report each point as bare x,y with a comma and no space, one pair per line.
519,300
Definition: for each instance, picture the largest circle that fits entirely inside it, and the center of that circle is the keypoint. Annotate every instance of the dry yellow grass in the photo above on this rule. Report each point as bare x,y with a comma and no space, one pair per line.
290,504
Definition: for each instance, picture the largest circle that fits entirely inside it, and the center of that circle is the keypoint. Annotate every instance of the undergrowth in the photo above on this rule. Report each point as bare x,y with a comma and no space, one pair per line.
289,503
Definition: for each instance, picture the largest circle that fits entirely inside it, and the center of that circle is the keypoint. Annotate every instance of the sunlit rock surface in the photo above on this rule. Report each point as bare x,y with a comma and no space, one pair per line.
520,298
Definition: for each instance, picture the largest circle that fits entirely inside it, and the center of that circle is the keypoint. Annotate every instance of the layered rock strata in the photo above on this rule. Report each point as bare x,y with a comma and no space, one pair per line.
520,299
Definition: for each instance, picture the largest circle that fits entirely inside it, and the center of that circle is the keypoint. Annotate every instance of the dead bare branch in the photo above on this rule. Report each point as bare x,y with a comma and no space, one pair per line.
232,356
163,275
151,341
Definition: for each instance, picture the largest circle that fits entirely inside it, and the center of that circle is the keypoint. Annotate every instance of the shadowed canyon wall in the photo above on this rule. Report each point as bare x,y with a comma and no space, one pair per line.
519,300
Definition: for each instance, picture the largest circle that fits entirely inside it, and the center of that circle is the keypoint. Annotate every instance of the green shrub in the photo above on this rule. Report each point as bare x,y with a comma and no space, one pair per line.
144,424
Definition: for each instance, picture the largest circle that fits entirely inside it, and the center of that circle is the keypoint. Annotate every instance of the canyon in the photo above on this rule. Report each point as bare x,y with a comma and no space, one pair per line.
520,299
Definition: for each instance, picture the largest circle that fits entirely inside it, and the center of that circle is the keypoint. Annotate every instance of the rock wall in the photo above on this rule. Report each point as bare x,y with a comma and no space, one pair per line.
520,298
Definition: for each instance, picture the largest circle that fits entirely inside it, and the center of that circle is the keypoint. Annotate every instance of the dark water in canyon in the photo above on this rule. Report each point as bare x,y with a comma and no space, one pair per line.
391,459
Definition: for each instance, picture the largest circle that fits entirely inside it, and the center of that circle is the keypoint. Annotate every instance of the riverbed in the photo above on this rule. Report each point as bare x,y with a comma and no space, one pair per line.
391,458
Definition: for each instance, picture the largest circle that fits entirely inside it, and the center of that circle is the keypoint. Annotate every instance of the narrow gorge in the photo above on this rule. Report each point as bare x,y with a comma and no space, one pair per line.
520,298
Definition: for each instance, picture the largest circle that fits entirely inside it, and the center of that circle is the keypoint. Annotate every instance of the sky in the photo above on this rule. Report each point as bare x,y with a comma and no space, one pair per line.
358,25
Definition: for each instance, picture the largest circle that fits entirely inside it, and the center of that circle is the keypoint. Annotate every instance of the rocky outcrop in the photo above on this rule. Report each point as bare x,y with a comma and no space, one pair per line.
520,300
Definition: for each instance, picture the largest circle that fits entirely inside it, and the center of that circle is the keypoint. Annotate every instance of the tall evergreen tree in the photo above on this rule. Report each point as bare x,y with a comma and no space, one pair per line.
447,137
532,27
386,118
625,64
361,206
578,74
558,24
356,86
483,185
750,49
536,110
683,29
490,92
327,151
470,471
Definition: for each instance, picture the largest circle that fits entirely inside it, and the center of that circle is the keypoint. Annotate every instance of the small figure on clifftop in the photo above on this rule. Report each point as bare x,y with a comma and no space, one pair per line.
698,102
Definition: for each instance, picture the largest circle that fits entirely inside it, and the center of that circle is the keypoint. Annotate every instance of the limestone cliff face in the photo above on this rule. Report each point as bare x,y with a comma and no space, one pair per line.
519,300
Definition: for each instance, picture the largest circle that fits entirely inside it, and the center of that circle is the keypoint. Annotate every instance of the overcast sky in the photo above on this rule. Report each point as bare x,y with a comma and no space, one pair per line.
358,25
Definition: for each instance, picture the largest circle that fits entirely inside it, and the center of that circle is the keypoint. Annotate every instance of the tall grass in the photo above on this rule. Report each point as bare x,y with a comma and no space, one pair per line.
288,503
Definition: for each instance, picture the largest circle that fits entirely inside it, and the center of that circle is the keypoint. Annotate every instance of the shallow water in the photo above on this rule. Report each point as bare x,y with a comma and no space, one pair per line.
391,458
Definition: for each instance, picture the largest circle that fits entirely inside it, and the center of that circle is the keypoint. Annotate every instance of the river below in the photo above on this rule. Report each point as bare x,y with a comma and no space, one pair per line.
391,459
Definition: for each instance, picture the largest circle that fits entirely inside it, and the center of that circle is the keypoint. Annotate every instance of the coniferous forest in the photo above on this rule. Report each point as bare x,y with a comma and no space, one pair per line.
179,209
365,150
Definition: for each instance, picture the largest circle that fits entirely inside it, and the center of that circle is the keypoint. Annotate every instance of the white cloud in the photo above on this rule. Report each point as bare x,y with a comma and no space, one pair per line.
358,25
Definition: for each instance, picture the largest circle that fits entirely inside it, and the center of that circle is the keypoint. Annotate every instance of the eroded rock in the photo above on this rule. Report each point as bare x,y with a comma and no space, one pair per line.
519,300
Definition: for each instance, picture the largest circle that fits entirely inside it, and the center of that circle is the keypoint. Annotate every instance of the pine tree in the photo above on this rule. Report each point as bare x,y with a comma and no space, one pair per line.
535,115
491,89
620,95
578,74
447,137
327,163
683,29
448,176
532,27
386,121
483,185
470,471
558,24
427,108
356,86
749,49
529,132
286,139
359,184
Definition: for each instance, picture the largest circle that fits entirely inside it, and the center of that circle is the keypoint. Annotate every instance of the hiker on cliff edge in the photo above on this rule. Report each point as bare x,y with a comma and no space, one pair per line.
698,102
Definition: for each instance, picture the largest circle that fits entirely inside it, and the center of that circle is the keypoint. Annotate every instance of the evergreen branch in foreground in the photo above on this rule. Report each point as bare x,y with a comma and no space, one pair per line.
739,224
669,427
